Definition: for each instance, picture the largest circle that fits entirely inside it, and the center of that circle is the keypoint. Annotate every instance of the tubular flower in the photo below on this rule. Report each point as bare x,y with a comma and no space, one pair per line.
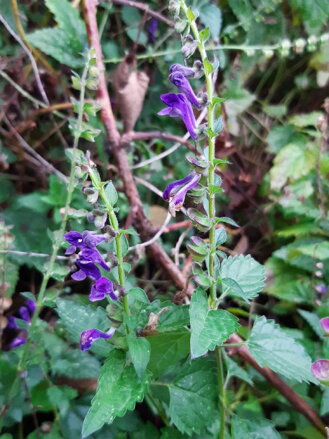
180,81
86,239
25,313
179,106
101,289
176,191
325,325
88,337
178,68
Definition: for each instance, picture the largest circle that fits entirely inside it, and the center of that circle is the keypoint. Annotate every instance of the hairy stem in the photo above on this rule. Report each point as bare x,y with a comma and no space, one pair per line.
211,201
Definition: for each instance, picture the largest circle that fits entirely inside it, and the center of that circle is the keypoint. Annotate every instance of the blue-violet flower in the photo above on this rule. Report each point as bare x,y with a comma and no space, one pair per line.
88,337
179,68
176,191
180,81
101,289
179,106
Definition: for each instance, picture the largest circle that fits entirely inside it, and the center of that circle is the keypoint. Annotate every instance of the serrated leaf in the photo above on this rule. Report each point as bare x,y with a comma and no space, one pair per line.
193,396
246,272
255,429
234,370
140,351
313,320
209,328
118,391
67,17
272,347
167,349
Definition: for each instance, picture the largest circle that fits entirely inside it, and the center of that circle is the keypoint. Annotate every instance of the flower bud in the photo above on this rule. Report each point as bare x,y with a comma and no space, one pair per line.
174,7
189,46
325,325
199,221
320,370
300,45
180,26
93,72
318,273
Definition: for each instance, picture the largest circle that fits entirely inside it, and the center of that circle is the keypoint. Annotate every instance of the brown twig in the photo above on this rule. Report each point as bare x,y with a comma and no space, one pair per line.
295,400
145,7
141,222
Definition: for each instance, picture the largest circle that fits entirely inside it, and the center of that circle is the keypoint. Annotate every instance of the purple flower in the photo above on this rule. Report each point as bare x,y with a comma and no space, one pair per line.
31,306
17,341
101,288
176,191
12,323
179,106
88,337
24,314
152,28
178,68
92,255
86,269
320,370
325,325
180,81
322,289
82,240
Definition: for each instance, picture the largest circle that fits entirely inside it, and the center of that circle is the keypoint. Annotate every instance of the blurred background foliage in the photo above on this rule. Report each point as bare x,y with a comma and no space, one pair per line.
274,73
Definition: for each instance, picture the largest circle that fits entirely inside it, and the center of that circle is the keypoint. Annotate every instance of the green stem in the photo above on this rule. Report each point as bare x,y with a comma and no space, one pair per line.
56,246
211,201
221,392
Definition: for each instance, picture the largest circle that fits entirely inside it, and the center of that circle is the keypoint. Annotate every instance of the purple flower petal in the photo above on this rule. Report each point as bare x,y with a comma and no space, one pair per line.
325,324
89,269
12,322
320,370
179,198
88,337
180,107
73,238
173,187
92,240
186,71
180,81
70,250
152,28
17,341
24,314
92,255
79,275
322,289
31,306
100,289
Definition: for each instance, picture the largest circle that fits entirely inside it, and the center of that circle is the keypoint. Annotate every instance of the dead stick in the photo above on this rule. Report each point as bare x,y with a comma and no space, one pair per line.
145,7
295,400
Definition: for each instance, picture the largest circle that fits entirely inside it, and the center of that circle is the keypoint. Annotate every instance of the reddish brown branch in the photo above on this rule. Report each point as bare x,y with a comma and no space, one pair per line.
141,222
295,400
145,7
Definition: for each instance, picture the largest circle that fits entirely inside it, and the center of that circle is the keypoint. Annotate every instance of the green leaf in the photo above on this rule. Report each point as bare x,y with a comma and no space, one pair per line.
211,17
246,272
226,220
209,328
190,15
234,370
132,18
78,318
208,68
118,391
243,11
253,429
140,351
67,17
177,317
193,396
293,161
204,34
280,136
220,235
272,347
167,349
313,320
313,14
56,43
111,193
324,410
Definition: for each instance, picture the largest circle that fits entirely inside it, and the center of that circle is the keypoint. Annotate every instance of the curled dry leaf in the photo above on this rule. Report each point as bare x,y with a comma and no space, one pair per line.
130,87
